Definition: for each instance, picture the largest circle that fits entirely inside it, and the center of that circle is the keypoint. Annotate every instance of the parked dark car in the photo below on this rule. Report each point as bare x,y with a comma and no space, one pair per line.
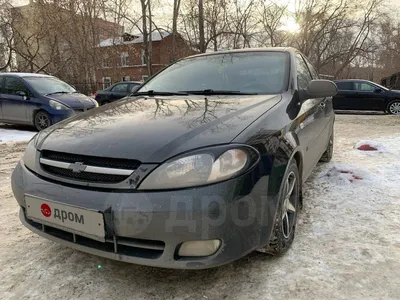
116,91
366,95
39,100
204,164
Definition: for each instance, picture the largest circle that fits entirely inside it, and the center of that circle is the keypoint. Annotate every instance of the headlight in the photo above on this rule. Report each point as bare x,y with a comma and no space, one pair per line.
29,157
96,104
57,105
197,169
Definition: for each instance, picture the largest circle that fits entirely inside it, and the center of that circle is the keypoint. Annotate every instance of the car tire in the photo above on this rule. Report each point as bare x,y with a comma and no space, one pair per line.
327,156
394,107
286,216
42,120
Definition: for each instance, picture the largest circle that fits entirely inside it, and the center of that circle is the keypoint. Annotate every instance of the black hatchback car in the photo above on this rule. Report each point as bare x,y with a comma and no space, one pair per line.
39,100
116,91
366,95
204,164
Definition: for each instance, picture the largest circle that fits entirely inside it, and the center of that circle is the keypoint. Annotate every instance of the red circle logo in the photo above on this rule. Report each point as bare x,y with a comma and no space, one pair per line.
46,210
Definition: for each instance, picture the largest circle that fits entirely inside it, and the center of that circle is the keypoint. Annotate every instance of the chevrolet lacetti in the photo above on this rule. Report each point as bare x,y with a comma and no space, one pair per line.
201,166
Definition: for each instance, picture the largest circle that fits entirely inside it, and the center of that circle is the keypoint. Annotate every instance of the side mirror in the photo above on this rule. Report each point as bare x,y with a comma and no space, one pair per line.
135,88
22,94
378,90
321,88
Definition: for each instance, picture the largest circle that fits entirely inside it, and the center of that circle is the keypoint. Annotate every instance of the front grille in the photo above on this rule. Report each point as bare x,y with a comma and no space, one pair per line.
84,176
125,246
117,163
110,176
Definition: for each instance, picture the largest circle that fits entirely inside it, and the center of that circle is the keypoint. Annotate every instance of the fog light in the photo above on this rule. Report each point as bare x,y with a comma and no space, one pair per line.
199,248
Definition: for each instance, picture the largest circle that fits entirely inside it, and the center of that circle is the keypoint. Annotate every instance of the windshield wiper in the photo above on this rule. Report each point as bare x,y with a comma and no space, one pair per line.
160,93
218,92
61,92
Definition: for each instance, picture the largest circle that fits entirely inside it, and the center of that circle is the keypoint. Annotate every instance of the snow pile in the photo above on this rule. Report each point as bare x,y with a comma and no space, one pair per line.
12,135
370,145
138,38
343,174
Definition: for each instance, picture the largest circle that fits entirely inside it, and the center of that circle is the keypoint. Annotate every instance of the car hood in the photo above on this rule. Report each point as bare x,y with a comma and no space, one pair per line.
155,129
73,100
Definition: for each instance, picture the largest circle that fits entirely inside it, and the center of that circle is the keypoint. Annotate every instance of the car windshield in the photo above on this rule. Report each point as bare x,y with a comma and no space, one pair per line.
49,85
241,72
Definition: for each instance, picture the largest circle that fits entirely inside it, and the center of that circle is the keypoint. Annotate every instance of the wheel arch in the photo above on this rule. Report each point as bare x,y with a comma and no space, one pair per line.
390,102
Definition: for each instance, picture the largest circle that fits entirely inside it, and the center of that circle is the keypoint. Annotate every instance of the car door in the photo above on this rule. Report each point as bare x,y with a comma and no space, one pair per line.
345,98
14,106
368,96
313,123
119,91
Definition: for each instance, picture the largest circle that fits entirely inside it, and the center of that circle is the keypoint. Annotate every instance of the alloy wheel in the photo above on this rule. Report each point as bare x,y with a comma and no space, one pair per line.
289,205
42,121
394,108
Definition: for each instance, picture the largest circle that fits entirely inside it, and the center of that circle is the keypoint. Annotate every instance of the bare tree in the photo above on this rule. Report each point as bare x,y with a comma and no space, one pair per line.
202,43
175,15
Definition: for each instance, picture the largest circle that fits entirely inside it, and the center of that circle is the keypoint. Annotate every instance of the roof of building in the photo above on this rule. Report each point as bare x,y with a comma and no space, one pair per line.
136,39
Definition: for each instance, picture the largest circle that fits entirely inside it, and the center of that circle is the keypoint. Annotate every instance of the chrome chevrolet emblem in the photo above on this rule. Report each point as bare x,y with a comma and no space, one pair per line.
77,167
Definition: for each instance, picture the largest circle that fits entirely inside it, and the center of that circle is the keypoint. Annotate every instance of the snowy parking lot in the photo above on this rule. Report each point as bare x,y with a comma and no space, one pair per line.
347,244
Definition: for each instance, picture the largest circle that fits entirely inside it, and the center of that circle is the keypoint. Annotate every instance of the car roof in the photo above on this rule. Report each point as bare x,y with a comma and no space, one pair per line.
137,82
353,80
17,74
248,50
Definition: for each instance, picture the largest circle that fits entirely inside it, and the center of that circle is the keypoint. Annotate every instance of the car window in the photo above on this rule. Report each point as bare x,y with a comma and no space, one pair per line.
303,74
314,73
120,88
345,86
364,87
14,85
248,72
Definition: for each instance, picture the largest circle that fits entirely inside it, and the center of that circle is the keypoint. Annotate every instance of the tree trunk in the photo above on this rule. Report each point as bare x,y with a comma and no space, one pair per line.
145,33
150,43
175,16
202,43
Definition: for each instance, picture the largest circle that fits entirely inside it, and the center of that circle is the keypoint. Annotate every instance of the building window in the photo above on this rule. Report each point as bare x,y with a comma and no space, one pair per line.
124,59
145,77
144,58
105,62
106,82
126,78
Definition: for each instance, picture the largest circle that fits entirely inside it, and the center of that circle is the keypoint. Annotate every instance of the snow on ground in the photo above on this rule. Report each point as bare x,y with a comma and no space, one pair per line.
12,135
347,243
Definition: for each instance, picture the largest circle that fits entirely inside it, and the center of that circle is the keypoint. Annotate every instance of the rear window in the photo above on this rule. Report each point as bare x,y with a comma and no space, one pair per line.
346,86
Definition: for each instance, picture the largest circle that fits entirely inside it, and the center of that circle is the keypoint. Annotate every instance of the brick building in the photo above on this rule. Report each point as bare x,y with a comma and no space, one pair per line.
123,58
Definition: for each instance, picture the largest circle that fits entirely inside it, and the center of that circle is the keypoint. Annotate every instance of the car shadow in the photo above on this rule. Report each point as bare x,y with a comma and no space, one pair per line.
359,112
17,127
230,279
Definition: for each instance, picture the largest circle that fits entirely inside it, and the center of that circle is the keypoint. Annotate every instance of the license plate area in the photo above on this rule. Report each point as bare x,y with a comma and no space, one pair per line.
77,220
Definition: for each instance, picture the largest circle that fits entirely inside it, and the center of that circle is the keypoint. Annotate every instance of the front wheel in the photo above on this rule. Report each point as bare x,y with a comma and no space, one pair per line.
394,107
286,215
327,156
42,120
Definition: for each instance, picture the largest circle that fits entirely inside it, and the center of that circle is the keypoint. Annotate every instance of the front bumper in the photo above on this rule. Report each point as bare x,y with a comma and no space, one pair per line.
61,115
148,228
